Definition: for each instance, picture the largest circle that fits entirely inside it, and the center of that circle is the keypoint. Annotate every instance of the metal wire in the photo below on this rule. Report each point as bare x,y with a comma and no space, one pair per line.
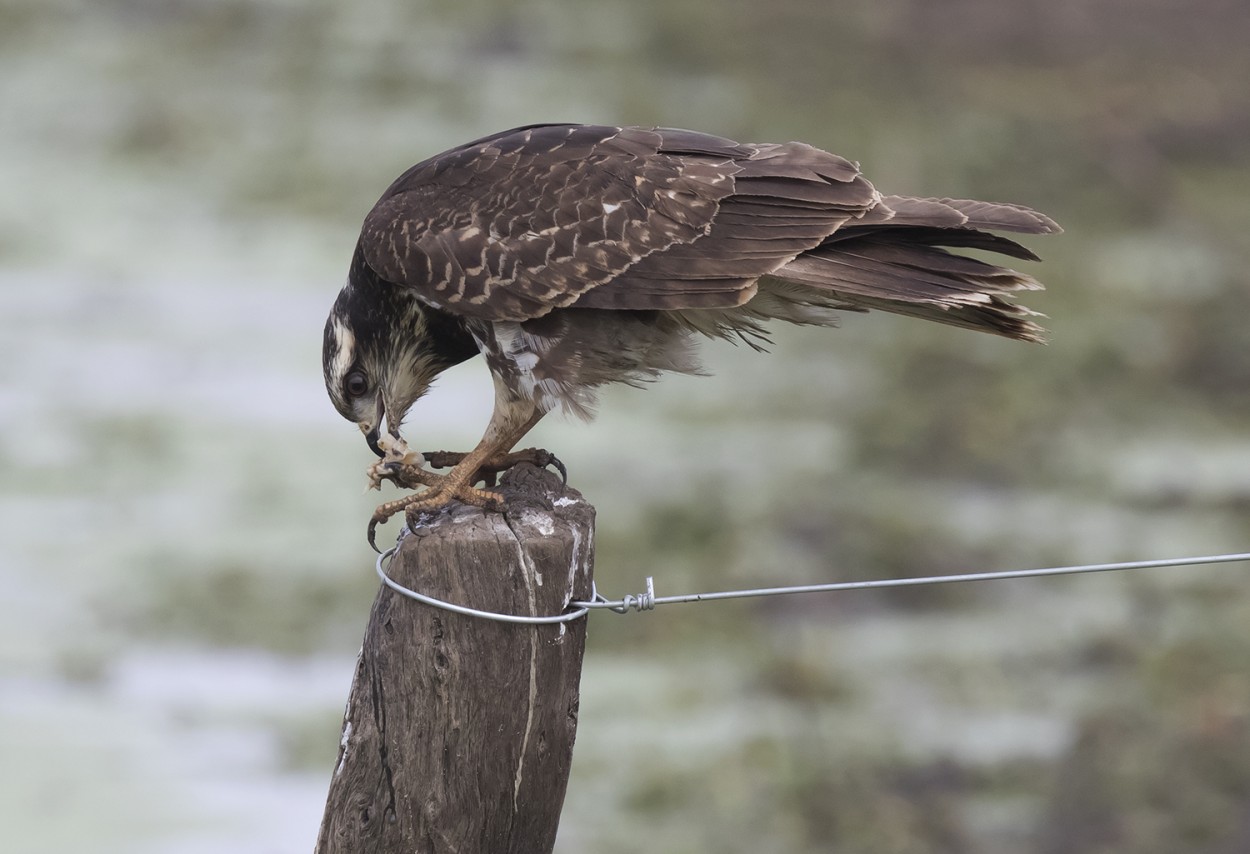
579,610
648,601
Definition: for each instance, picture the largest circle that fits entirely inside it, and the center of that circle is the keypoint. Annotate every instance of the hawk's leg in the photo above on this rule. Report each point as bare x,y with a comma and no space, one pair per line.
509,422
501,463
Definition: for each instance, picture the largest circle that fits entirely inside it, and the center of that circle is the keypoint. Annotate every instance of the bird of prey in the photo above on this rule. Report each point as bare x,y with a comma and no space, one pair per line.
572,256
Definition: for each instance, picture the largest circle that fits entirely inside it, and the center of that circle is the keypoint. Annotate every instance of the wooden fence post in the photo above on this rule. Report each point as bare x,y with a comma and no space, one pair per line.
458,733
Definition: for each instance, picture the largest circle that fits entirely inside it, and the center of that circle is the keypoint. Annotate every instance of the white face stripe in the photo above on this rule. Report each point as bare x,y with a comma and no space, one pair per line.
344,351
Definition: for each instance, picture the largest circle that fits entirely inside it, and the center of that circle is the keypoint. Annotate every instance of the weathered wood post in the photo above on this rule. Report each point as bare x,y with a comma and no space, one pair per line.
458,733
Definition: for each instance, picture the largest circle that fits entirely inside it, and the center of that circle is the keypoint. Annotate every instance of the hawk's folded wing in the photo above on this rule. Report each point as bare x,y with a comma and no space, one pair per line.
514,225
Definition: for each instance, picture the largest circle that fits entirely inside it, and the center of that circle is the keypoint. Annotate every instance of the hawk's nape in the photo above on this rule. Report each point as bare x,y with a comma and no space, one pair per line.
572,256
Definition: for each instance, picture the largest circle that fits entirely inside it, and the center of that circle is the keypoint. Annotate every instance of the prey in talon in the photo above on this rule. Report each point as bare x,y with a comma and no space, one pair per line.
573,256
395,463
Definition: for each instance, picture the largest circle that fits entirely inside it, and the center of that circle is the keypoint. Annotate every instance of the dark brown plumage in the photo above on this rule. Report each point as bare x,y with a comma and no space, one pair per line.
571,256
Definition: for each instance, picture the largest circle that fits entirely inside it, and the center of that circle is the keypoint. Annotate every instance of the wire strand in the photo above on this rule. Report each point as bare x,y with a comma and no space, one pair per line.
648,601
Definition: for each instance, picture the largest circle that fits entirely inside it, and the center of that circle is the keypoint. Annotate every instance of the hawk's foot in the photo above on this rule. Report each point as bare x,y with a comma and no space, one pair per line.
436,497
404,475
487,471
406,470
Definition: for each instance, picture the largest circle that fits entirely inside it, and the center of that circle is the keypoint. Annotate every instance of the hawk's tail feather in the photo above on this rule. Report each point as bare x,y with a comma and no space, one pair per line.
905,269
959,213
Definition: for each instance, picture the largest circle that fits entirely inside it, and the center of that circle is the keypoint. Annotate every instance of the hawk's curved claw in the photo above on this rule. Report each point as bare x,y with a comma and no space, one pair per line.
553,460
371,534
542,458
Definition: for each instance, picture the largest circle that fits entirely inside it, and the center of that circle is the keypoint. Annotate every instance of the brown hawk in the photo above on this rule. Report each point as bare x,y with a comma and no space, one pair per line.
572,256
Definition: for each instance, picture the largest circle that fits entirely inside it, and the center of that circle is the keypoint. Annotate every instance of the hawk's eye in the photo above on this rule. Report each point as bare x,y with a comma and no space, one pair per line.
356,384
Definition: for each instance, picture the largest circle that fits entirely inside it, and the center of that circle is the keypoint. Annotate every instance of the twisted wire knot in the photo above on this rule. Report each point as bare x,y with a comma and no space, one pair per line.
637,601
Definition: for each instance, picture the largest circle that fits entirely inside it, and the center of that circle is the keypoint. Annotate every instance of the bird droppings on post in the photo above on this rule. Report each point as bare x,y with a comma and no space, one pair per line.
344,740
576,558
542,521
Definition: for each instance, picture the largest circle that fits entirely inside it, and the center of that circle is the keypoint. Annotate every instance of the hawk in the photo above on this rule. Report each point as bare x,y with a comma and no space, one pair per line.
572,256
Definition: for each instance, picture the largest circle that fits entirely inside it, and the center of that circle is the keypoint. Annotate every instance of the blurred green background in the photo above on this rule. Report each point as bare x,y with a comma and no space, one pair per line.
181,526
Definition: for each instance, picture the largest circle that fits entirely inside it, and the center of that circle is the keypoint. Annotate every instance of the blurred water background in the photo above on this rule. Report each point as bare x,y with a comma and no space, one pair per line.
184,573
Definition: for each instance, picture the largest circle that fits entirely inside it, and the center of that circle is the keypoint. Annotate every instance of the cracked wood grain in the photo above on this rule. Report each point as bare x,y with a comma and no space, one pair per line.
458,733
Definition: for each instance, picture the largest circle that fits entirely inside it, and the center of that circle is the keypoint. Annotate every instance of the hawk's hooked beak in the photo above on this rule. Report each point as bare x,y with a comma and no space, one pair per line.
372,438
371,430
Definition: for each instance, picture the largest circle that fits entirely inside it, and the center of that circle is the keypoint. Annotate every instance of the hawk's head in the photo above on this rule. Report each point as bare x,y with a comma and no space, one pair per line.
381,350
